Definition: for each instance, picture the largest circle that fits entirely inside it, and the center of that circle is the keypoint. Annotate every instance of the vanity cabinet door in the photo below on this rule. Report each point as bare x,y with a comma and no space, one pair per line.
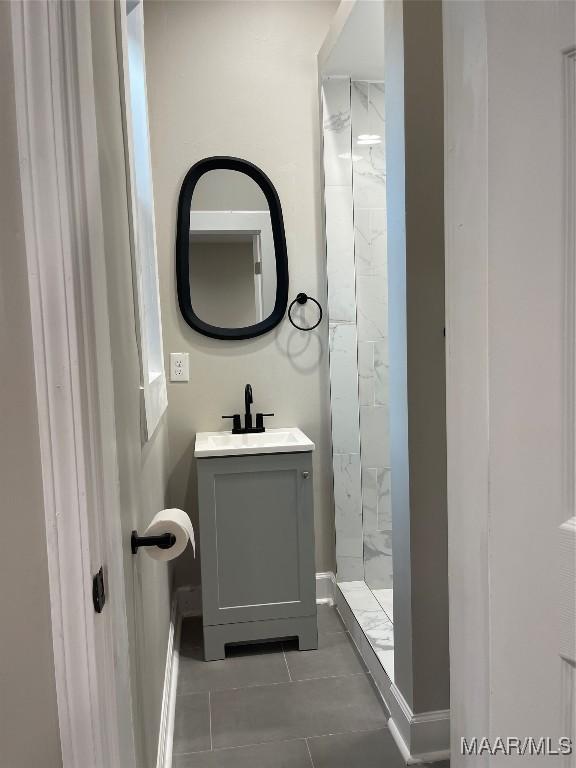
256,537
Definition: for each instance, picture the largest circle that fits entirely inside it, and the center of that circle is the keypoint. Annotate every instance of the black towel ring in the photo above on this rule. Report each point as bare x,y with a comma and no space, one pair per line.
302,298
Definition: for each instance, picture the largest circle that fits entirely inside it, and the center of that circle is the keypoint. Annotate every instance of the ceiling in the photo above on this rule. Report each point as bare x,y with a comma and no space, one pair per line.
354,46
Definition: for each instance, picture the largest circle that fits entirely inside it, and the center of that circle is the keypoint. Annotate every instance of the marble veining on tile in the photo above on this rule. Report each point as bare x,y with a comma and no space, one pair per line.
352,586
344,388
372,309
372,619
385,598
360,102
350,568
348,505
356,233
381,373
376,506
339,122
379,630
366,373
386,658
378,559
378,542
377,101
384,501
369,192
362,600
370,245
369,499
337,131
374,429
340,255
369,168
378,571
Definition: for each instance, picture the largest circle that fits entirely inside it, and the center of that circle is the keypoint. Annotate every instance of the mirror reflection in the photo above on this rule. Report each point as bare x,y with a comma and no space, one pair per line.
232,265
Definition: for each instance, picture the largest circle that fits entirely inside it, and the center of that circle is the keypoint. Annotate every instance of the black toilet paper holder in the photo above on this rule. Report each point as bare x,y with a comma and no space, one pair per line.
164,541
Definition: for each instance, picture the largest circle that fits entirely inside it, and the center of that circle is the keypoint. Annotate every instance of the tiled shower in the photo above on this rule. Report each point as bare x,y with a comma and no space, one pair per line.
355,204
355,197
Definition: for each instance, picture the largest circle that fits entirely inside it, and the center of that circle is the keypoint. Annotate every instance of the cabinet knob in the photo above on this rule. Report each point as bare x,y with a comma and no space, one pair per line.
305,475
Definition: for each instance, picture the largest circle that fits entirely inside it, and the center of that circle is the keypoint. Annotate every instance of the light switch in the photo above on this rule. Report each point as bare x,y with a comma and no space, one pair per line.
179,366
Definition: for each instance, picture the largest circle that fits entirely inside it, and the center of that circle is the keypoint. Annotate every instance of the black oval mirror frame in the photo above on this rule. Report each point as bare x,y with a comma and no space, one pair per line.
183,249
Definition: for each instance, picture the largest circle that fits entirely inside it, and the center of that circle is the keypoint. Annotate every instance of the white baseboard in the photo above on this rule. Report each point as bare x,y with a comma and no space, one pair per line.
422,737
166,733
325,583
412,759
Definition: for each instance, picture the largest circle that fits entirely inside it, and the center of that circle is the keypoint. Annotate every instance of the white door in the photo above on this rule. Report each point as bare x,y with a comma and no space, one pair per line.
510,217
63,231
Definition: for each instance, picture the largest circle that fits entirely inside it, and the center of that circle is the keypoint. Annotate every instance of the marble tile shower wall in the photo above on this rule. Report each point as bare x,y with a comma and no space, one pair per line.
354,169
344,394
369,205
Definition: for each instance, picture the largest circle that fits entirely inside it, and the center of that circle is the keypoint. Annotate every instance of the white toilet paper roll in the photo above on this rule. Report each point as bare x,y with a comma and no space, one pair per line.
174,521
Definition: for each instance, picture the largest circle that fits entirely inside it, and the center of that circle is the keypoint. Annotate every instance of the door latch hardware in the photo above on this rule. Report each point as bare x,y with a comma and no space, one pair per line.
98,591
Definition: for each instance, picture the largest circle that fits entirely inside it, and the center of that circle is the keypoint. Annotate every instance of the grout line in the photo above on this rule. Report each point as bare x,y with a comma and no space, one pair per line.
383,727
270,685
286,662
309,753
210,716
242,746
332,677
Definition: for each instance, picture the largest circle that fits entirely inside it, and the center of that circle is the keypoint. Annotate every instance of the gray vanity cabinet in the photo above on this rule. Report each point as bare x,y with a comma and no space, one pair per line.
257,549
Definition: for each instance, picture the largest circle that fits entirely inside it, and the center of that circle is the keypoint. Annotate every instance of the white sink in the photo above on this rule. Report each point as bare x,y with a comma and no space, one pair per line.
283,440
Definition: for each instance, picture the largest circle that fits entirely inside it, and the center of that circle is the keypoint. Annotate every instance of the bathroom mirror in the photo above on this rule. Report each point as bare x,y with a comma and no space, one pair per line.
231,260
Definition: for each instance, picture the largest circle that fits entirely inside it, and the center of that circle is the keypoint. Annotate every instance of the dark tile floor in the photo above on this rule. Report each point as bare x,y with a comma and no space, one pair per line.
272,706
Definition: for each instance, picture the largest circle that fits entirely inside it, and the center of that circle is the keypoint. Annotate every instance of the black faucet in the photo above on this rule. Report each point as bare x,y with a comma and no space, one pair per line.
237,428
248,400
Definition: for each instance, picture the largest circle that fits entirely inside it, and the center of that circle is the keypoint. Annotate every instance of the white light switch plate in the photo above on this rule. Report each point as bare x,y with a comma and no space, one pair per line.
179,366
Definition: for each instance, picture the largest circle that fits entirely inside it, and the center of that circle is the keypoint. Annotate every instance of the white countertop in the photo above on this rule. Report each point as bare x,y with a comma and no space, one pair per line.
278,440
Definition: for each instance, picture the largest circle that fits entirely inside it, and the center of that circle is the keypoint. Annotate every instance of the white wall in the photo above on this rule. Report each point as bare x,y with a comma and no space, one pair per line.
29,733
224,287
508,367
225,190
240,79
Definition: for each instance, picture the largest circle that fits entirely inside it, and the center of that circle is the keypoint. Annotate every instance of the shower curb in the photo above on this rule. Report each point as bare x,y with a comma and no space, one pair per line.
421,738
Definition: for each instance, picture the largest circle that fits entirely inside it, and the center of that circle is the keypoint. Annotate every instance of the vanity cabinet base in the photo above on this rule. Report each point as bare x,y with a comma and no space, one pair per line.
257,550
216,637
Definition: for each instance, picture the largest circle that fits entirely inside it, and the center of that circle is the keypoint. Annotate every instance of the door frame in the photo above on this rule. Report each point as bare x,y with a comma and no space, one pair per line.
254,224
60,185
467,395
468,353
